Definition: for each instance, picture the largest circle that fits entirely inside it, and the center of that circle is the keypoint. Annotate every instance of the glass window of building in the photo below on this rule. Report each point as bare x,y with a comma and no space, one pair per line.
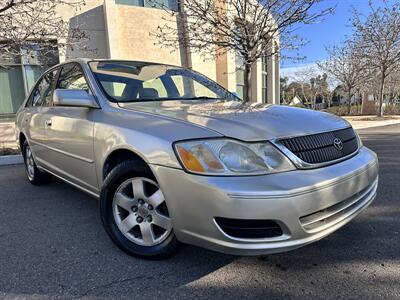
264,75
162,4
12,89
18,74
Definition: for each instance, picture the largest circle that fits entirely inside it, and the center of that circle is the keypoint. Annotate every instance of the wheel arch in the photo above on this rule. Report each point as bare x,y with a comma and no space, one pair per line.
119,155
21,141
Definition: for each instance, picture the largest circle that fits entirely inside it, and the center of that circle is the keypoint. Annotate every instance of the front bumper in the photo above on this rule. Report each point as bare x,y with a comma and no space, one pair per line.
307,204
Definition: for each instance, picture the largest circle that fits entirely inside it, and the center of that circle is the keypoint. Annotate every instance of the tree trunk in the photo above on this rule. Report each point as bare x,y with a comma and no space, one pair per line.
362,102
304,93
247,83
315,102
381,95
349,102
185,54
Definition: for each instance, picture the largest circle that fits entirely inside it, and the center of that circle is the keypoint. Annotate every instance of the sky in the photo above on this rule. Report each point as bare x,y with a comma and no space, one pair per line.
332,30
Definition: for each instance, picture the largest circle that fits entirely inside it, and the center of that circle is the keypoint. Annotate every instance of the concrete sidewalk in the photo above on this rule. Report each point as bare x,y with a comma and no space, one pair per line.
7,135
361,122
8,145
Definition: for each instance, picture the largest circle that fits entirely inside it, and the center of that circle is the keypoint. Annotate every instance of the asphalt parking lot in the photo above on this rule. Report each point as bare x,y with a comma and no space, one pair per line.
52,245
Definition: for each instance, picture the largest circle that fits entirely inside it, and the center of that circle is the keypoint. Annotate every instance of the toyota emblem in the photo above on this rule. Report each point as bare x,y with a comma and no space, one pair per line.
338,144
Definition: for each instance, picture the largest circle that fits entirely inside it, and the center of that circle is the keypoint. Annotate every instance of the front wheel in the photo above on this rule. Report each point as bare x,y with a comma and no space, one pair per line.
134,212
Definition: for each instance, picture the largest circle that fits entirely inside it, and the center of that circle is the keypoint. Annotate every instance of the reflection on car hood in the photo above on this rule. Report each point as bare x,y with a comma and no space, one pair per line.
250,122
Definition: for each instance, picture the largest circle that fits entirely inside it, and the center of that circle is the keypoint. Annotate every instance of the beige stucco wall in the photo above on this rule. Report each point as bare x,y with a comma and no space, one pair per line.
226,70
129,31
273,81
204,65
90,19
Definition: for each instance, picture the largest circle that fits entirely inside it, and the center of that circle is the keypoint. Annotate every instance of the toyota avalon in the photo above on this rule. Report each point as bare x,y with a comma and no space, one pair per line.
175,158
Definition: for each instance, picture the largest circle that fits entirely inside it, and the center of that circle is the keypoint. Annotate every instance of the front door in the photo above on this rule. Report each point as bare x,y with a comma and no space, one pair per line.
36,116
69,134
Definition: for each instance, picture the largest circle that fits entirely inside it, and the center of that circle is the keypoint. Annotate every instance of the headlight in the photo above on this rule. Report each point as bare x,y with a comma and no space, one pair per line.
230,157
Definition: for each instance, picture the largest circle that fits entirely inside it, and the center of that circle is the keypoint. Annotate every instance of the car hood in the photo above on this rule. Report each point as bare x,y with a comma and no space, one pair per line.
248,122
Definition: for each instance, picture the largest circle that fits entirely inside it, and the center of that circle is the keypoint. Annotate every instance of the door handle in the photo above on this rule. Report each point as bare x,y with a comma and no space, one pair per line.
48,123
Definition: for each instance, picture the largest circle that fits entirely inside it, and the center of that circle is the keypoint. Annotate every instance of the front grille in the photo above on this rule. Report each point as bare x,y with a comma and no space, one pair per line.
250,229
331,215
319,148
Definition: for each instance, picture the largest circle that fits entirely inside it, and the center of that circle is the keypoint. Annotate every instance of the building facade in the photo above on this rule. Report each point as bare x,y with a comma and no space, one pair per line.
121,29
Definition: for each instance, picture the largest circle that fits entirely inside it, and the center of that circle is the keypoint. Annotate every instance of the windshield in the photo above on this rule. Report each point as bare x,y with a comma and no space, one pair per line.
125,81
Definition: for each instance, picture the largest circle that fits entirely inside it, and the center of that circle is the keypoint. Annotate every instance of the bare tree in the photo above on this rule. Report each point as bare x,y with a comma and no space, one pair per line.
393,86
302,77
312,82
283,85
24,23
345,66
249,28
377,37
318,86
331,83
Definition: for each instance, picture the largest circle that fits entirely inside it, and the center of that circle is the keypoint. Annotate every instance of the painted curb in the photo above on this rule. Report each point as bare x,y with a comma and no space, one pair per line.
11,160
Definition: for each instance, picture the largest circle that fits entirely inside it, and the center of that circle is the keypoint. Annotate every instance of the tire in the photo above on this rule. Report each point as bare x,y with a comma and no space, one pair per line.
131,222
35,176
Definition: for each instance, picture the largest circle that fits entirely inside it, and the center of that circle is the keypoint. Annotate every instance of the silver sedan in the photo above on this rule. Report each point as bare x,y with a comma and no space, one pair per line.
175,158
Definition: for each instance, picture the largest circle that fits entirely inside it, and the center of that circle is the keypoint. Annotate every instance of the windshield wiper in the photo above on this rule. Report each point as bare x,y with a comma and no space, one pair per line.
200,98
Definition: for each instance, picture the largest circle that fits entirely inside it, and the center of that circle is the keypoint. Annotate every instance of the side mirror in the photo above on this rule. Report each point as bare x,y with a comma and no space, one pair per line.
77,98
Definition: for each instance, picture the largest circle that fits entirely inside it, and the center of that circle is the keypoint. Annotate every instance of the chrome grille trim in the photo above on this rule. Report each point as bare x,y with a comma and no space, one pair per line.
321,138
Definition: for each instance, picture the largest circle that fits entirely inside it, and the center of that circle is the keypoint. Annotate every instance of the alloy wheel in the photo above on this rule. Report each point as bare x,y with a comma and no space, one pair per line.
140,212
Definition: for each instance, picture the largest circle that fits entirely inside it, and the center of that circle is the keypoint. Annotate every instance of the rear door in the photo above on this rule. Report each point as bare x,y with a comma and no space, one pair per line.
69,134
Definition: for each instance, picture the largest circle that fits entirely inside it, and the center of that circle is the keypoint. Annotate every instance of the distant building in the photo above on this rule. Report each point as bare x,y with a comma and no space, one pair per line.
296,100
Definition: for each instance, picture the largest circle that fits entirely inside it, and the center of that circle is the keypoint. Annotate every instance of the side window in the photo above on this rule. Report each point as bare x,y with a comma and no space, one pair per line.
192,87
71,78
41,95
154,86
179,84
115,89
